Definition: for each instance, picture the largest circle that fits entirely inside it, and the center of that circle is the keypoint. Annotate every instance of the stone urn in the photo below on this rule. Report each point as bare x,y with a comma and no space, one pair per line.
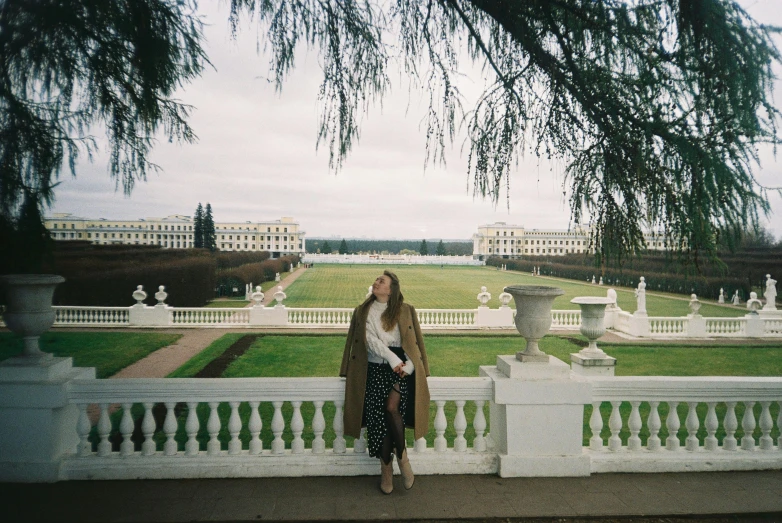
29,312
593,313
533,317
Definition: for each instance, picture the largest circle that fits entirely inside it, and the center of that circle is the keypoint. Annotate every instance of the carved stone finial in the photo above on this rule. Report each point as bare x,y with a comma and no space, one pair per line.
139,295
258,296
161,295
484,297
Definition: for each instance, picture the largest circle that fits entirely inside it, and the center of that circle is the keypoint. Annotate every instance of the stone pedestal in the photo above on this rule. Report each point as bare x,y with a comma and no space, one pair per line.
696,326
37,425
269,316
144,316
537,418
586,366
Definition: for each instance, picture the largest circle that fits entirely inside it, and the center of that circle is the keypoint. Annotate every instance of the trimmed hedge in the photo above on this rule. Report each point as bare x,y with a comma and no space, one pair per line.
707,287
256,273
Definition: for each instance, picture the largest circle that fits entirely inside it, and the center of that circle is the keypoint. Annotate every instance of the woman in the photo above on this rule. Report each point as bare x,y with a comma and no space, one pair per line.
386,368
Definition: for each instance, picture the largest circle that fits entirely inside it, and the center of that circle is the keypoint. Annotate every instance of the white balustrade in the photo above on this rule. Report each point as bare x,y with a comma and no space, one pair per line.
224,420
726,327
447,318
663,326
319,317
565,319
695,411
205,316
73,316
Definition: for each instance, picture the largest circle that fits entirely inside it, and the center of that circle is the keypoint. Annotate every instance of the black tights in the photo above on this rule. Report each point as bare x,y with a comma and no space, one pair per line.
395,427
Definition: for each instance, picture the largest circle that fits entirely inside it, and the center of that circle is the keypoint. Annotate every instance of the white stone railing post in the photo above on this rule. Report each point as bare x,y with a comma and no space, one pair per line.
529,399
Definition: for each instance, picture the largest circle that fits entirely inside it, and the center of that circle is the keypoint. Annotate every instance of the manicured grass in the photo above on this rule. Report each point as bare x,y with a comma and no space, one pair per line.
308,356
432,287
202,359
108,352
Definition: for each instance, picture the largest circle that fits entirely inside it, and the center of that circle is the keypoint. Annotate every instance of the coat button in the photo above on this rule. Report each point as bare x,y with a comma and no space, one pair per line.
354,357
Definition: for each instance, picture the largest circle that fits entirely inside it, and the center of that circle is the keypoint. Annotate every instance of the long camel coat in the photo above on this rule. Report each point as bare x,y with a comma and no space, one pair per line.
354,369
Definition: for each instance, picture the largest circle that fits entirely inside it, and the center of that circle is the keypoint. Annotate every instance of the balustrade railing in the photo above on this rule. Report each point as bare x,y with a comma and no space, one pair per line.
708,423
446,318
772,327
565,319
108,316
662,326
319,317
169,425
204,316
726,327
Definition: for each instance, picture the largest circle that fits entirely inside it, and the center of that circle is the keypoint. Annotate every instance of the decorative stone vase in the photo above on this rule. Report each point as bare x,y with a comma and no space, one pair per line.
29,310
593,312
533,317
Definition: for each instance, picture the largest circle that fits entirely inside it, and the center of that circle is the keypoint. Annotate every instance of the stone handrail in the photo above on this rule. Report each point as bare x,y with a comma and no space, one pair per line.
667,326
243,407
208,316
89,316
645,416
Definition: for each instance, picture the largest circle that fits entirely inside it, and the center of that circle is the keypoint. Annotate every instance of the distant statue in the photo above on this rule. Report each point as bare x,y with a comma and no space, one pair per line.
640,297
695,305
593,279
601,281
753,303
277,277
736,300
484,297
721,299
770,294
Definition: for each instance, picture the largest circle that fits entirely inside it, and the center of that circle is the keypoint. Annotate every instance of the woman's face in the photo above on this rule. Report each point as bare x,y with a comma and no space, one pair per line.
382,288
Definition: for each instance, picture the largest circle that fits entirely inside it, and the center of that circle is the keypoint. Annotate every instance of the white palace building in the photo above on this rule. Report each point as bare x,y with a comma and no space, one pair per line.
279,237
512,241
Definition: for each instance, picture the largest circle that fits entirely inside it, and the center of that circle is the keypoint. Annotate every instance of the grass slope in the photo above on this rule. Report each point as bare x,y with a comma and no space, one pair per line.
432,287
108,352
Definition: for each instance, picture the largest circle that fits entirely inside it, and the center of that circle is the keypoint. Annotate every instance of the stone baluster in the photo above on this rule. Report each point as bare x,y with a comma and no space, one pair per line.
479,424
634,424
169,428
654,423
766,424
748,424
615,424
460,425
596,426
318,427
360,444
672,423
779,426
440,424
191,428
234,427
83,428
731,424
297,427
712,424
126,427
104,430
148,427
213,428
278,425
339,446
420,445
254,425
693,424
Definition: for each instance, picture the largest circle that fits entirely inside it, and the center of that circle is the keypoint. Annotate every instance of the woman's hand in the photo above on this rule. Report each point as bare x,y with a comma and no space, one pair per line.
399,369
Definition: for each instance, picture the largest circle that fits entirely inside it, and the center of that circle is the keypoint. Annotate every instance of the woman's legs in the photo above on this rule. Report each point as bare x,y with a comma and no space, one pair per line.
395,436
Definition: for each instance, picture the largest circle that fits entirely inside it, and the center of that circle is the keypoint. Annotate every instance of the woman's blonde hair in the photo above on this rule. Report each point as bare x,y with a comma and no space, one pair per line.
390,316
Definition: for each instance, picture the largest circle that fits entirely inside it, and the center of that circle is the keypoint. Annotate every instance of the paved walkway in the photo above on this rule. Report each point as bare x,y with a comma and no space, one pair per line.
292,277
731,496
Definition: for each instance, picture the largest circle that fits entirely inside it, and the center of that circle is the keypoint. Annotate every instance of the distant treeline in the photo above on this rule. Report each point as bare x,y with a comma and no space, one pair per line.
743,271
452,248
107,275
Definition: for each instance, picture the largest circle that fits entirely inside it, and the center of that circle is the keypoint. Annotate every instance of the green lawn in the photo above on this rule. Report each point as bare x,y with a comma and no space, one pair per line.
432,287
233,303
303,356
108,352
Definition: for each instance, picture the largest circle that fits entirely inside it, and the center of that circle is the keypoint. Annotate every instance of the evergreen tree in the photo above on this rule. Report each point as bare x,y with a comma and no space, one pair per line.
326,248
441,248
343,247
423,249
210,238
198,227
70,68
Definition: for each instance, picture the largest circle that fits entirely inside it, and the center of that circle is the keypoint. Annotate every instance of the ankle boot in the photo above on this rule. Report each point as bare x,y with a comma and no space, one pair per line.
387,477
406,470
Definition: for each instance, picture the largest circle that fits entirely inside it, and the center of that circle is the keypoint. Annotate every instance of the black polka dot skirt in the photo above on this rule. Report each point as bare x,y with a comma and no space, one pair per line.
381,378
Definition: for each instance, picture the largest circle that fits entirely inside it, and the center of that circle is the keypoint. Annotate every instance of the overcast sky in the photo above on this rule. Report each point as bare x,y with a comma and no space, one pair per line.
256,160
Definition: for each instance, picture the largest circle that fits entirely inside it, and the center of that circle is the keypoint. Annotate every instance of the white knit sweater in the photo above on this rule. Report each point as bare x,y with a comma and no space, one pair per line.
378,339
